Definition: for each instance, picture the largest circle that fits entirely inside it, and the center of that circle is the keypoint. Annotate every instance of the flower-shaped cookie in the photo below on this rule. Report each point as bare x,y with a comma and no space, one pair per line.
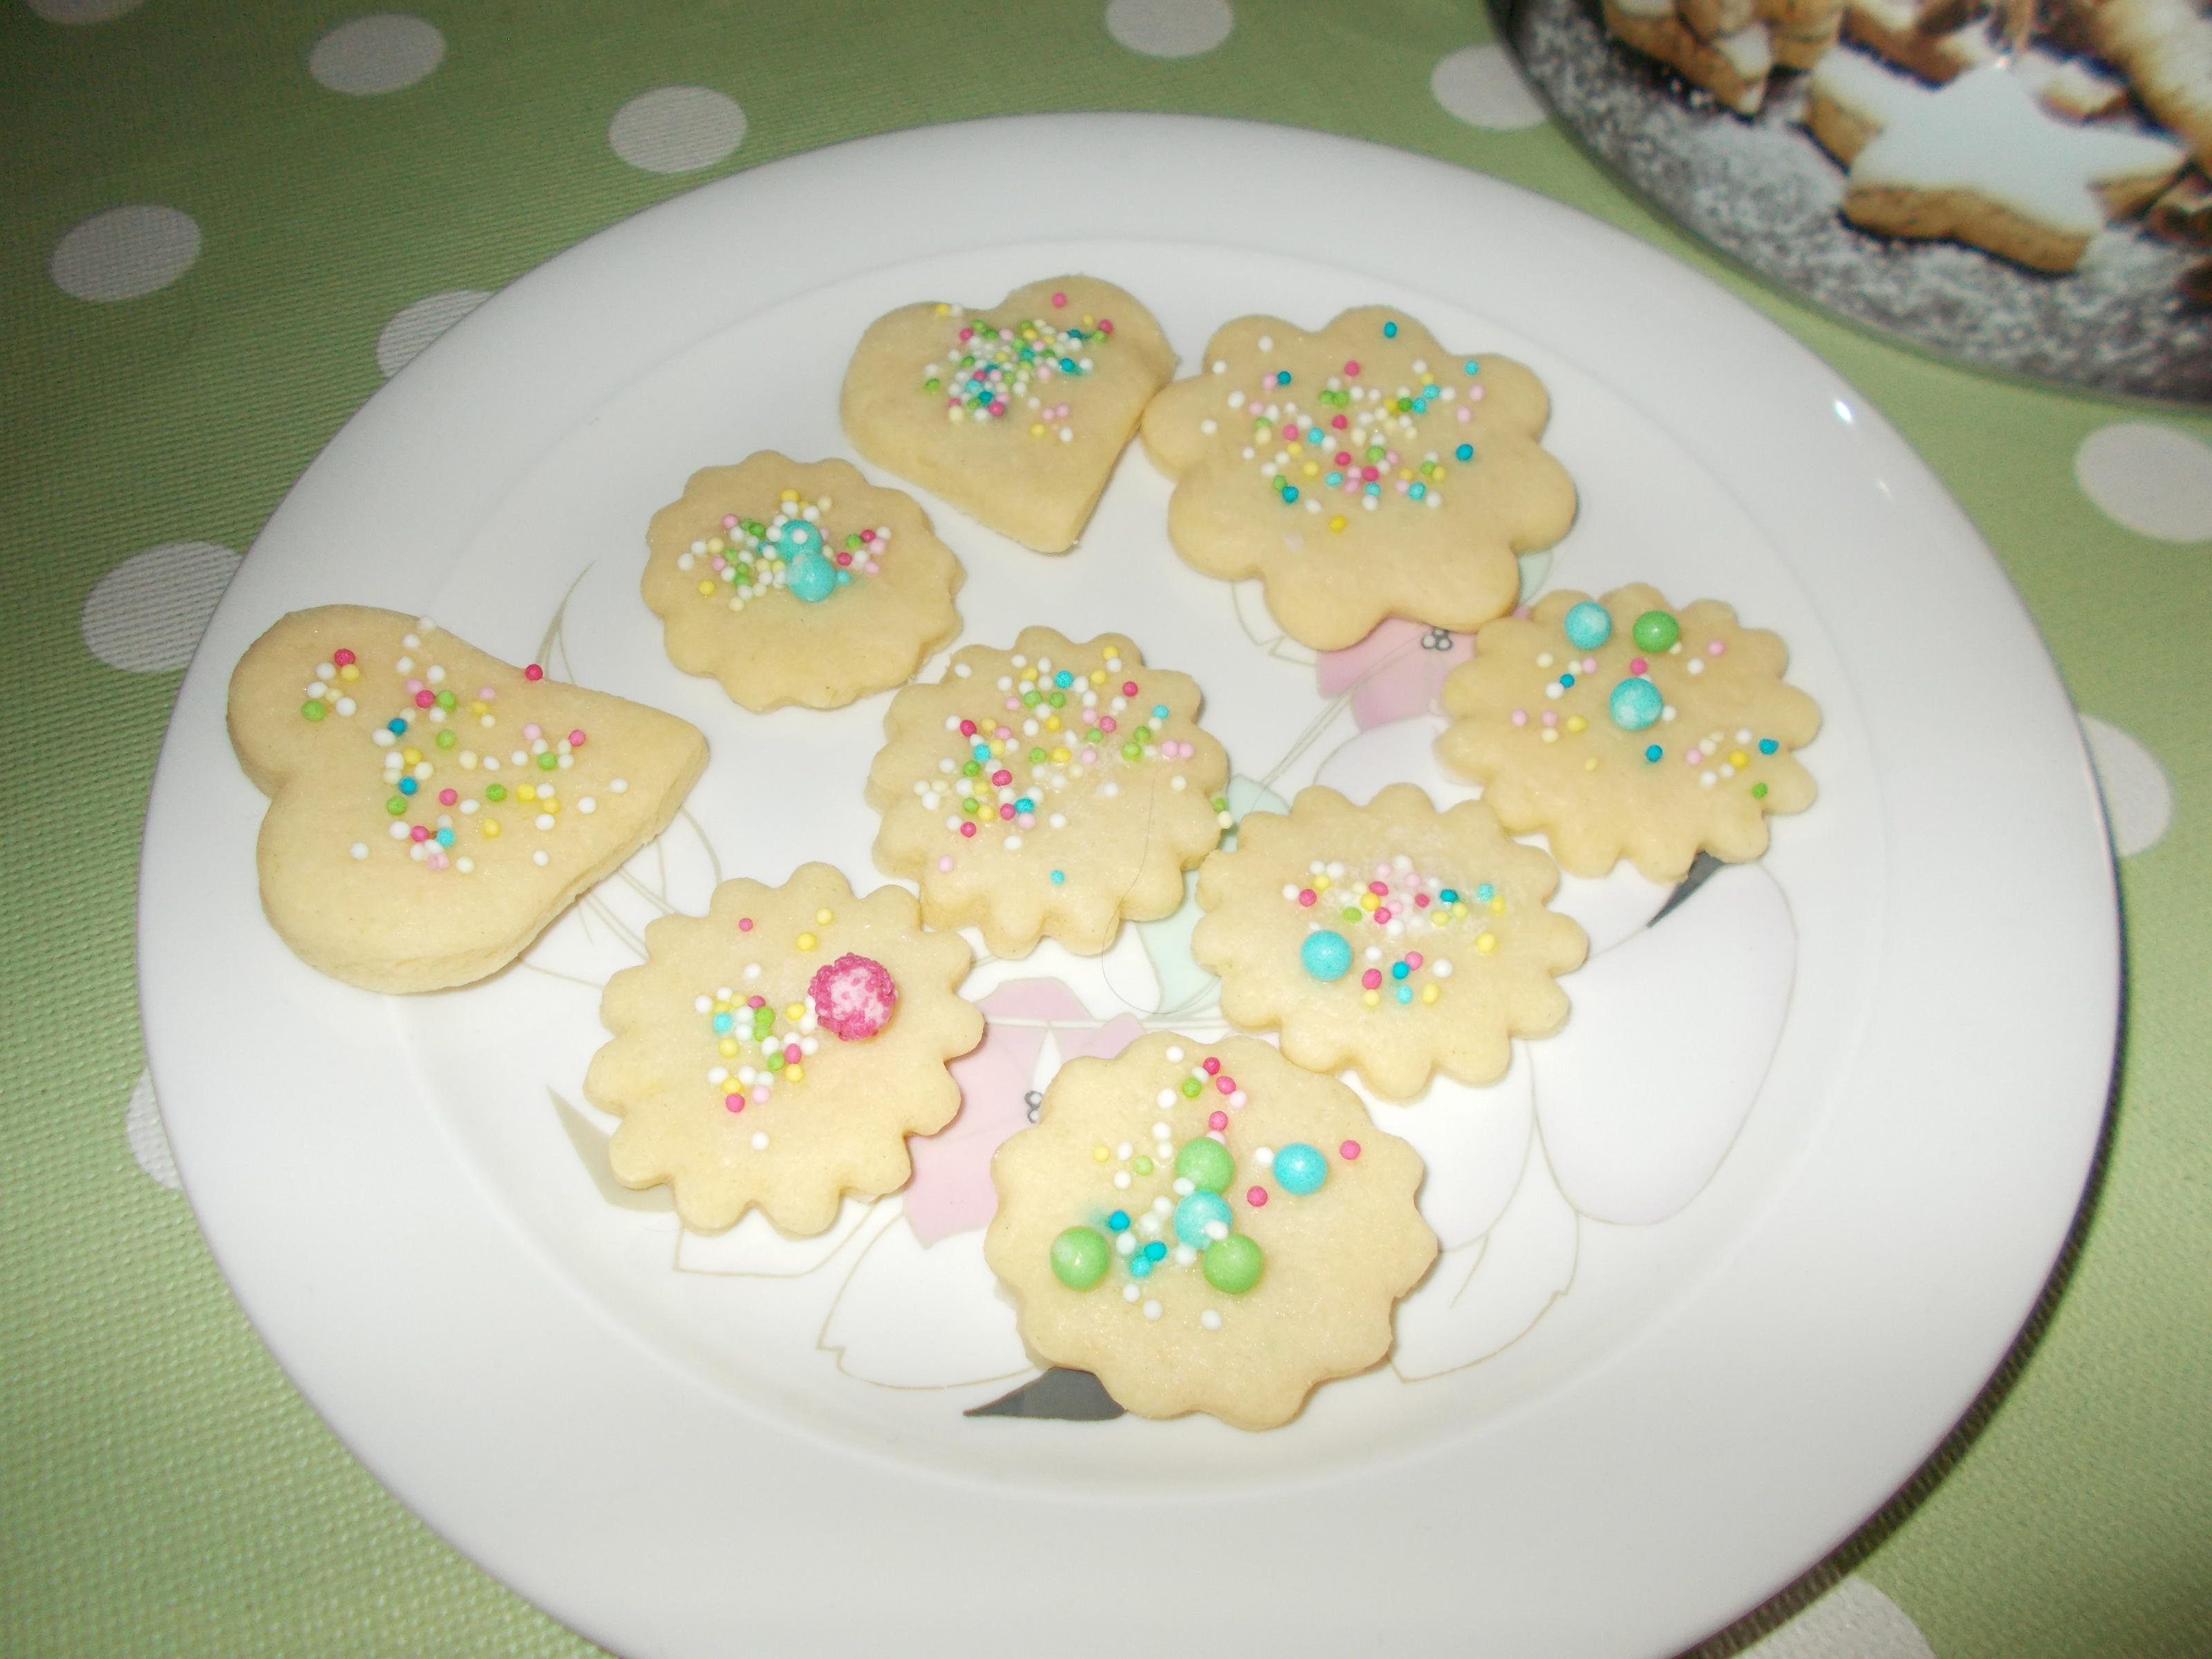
798,583
779,1050
1015,415
1392,936
1361,472
1051,790
1628,728
431,807
1206,1227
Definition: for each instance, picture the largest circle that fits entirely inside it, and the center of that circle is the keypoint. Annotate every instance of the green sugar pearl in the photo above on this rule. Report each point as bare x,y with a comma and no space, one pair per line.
1190,1087
1656,630
1233,1265
1759,792
1204,1162
1080,1257
495,792
311,709
445,740
548,761
1130,751
1143,1166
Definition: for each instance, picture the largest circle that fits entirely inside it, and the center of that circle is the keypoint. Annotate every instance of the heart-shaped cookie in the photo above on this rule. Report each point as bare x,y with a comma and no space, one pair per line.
432,808
1015,416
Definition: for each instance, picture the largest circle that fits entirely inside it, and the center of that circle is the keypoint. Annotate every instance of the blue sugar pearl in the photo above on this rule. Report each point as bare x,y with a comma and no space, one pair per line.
1390,330
1289,494
1025,805
843,577
1068,365
1326,956
1301,1169
396,728
1566,679
810,575
1063,679
1399,971
445,838
1464,453
1118,1222
1418,491
408,786
981,751
1634,704
1450,896
1196,1213
1404,993
1141,1265
1058,877
1334,480
721,1023
1374,489
1767,745
1485,893
1653,752
1588,625
1473,366
1159,711
1157,1251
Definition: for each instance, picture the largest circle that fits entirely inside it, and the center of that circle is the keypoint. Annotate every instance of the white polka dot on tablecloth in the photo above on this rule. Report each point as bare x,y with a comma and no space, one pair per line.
1484,86
1169,29
676,129
147,614
2138,800
379,53
2154,479
408,335
83,11
1854,1620
124,252
149,1141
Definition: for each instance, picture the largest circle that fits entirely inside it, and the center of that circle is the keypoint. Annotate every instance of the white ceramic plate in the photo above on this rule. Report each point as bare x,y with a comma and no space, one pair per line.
1726,1260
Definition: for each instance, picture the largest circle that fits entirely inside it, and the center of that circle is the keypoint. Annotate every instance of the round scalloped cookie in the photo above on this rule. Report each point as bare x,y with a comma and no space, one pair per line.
1360,473
798,582
1050,791
433,808
1015,415
1206,1227
1627,729
1391,938
779,1050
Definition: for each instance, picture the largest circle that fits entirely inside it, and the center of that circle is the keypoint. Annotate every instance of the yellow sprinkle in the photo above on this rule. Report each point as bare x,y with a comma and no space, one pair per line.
721,1004
823,918
1738,759
1590,765
716,544
795,1074
350,671
1313,468
1430,991
1485,943
1337,523
1036,429
1052,722
806,941
943,309
491,827
1061,757
1497,905
1575,723
412,756
550,803
789,495
707,589
728,1046
526,791
1100,1154
1098,676
794,1011
1369,901
1372,998
1321,883
1459,910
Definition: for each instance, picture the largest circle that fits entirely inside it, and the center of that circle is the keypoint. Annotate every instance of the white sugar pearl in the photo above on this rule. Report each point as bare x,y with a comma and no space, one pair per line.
1441,968
1211,1320
589,803
540,860
1163,1100
620,786
759,1140
359,849
1121,1180
1264,1156
1125,1244
1152,1311
1175,1054
1128,1291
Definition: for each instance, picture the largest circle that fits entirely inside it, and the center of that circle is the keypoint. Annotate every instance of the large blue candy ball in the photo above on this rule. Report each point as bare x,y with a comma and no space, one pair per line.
1590,625
811,576
1635,704
1300,1169
1196,1213
1326,956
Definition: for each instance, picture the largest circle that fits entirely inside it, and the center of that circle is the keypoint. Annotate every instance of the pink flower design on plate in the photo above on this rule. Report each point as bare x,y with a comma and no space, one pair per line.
952,1191
1395,673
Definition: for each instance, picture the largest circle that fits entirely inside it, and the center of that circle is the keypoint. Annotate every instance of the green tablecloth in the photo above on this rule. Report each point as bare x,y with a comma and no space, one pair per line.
224,224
